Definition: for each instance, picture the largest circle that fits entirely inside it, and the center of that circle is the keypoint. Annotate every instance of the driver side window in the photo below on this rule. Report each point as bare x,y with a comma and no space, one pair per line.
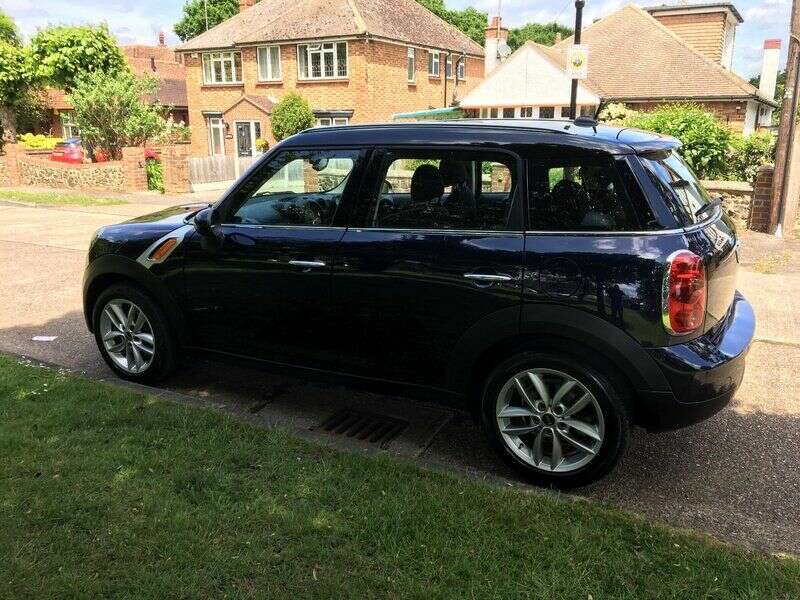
296,187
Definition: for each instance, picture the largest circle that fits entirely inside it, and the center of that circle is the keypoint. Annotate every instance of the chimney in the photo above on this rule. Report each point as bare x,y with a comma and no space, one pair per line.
162,40
245,4
495,35
769,68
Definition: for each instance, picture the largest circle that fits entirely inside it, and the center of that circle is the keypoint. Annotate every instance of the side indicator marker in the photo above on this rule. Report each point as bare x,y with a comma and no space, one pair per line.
162,251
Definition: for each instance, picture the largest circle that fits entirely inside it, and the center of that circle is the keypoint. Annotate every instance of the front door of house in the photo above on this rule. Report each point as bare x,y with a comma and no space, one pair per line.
247,132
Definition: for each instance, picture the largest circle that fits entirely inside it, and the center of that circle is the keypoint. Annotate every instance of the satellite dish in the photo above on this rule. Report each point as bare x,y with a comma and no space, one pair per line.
504,50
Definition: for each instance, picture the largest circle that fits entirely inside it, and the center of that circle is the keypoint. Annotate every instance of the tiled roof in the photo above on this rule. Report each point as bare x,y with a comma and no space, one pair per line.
56,99
634,57
404,21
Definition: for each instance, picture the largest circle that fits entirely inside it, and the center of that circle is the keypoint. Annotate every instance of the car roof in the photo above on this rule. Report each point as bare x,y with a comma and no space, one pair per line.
581,134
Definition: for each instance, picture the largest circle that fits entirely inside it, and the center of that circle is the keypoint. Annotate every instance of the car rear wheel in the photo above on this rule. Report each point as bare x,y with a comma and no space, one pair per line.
133,335
556,420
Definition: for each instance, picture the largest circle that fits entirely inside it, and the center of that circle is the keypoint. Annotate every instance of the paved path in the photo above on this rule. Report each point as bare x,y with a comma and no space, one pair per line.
735,475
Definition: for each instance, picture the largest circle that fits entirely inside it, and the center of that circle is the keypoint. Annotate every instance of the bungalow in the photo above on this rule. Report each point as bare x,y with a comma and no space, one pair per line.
355,61
642,58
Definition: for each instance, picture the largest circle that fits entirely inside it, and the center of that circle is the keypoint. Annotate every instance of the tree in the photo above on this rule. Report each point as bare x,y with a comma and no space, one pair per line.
15,83
471,21
193,22
111,112
8,30
291,115
780,87
534,32
61,54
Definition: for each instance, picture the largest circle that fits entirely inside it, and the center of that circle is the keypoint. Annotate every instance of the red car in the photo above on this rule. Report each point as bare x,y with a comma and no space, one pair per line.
68,151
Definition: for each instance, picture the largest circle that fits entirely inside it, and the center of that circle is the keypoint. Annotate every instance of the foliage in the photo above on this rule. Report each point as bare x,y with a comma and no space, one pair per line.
155,175
747,153
470,20
8,30
175,133
193,22
32,110
617,113
15,73
61,54
536,32
39,141
262,145
704,138
111,113
291,115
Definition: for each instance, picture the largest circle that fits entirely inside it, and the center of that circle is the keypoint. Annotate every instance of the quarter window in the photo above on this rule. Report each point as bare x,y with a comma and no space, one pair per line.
269,63
295,188
579,194
411,64
441,190
322,61
433,64
222,67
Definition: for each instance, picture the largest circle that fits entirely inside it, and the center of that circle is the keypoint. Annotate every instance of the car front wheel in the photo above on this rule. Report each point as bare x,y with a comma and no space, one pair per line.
559,422
133,335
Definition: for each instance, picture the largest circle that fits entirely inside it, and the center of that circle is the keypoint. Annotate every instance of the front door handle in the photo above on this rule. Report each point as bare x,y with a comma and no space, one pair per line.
486,278
307,264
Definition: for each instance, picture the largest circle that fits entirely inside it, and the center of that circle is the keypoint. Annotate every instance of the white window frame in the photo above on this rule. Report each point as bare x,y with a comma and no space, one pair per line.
448,67
526,109
539,115
461,68
322,49
223,59
265,71
411,64
508,108
332,121
434,69
68,127
215,123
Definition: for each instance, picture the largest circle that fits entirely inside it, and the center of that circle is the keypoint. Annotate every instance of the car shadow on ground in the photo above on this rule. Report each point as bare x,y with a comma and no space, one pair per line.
734,476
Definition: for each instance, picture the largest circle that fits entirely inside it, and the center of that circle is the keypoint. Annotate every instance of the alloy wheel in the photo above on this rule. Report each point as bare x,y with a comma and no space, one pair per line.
550,420
127,336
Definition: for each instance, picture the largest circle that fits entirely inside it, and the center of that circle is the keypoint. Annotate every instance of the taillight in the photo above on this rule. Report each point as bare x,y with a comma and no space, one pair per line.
683,294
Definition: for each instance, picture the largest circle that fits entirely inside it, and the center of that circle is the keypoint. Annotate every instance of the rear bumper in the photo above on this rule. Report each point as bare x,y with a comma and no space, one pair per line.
704,373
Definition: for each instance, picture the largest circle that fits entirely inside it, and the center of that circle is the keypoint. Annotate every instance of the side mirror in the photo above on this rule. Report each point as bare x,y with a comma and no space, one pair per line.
203,222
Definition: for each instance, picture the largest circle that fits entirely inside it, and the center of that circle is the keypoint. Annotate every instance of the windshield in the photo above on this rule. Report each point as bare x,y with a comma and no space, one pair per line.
679,185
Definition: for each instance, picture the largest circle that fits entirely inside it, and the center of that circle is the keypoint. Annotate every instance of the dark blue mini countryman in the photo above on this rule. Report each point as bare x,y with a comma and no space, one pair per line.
563,280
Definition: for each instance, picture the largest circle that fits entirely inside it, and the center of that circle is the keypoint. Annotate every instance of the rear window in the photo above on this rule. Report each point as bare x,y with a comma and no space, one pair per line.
679,186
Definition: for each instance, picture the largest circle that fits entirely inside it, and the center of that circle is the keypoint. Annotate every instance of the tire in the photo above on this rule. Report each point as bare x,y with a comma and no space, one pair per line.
603,413
162,359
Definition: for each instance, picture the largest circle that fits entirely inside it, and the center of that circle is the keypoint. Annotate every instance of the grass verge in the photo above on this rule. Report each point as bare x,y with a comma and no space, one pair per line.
59,199
108,492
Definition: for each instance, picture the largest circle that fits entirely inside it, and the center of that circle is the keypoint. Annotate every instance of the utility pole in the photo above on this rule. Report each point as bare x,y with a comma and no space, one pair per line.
573,97
787,129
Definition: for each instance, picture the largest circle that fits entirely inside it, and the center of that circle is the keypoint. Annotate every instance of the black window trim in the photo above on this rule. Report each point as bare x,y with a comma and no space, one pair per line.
517,201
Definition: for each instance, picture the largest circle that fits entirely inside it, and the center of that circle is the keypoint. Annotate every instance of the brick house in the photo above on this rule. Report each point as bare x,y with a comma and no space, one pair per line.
642,58
158,61
355,61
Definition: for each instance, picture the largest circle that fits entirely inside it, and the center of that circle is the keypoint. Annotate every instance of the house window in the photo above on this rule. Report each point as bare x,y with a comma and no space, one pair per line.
587,111
411,64
332,121
216,136
508,113
433,64
68,127
322,61
526,112
547,112
448,67
269,63
222,67
484,113
461,68
492,113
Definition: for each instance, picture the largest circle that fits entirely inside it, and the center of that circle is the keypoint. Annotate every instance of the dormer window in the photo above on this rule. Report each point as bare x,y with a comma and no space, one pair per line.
323,60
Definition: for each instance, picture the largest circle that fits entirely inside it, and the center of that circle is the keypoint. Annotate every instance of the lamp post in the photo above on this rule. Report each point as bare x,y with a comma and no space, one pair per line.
573,97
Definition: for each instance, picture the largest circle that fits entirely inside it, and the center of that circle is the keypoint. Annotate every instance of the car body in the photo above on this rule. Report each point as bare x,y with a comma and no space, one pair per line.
68,151
526,262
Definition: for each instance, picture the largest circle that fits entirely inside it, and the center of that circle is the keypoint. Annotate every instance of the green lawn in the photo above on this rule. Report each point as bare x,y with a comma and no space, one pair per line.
105,492
59,199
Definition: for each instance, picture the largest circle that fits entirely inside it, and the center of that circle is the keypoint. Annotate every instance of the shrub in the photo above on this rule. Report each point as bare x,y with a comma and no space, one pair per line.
155,175
262,145
616,113
747,153
705,140
291,115
38,142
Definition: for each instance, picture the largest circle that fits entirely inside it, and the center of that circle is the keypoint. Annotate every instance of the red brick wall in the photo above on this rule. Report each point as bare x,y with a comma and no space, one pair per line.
761,210
376,88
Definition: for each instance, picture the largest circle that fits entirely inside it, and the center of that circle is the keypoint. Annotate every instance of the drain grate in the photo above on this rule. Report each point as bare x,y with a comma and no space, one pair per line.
376,429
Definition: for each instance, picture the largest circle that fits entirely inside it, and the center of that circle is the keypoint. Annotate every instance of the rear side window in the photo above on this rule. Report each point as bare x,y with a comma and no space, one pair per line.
678,185
579,194
430,189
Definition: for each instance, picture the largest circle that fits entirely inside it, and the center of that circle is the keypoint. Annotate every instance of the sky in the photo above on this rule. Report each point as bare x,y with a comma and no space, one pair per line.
139,21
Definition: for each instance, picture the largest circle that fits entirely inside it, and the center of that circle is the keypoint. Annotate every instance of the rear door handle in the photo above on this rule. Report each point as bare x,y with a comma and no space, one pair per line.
307,264
486,278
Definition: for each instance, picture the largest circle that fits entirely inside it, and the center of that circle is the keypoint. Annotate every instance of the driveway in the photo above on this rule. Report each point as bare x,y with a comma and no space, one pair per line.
735,476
